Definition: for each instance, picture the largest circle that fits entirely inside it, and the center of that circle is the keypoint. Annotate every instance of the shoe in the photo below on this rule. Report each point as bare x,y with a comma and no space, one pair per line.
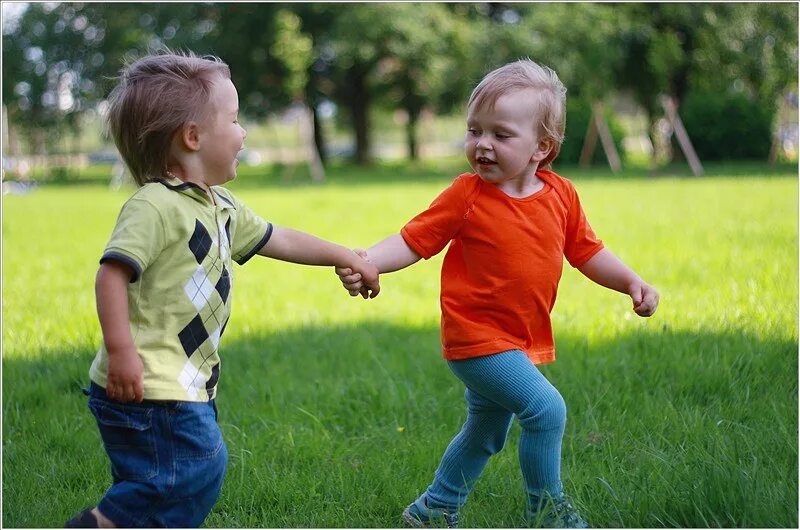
558,513
418,515
85,519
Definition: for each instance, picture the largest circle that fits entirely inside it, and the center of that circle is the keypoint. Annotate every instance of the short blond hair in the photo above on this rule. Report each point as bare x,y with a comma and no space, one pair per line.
156,96
551,104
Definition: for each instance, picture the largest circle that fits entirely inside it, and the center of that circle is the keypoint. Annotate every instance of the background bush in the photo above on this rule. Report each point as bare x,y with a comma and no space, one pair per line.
727,126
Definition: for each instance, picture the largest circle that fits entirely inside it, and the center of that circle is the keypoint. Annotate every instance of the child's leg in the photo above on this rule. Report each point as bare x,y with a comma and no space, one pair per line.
201,460
167,461
511,380
483,434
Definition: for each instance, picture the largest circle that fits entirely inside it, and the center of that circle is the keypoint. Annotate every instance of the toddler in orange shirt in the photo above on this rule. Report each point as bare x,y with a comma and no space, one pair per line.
509,224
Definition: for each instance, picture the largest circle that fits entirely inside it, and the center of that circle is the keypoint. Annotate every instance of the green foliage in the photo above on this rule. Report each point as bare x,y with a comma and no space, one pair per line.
727,126
579,112
294,49
337,410
59,59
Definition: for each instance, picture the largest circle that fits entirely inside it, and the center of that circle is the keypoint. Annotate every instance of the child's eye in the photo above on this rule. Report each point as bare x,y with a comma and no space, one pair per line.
501,136
473,132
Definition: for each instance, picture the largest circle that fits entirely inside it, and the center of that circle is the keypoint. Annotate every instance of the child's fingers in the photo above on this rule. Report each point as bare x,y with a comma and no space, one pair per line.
351,279
130,392
111,390
353,286
343,271
645,309
138,391
636,296
375,289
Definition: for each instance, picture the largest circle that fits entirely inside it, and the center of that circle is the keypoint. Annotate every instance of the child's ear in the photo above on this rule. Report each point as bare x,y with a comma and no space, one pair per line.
190,136
543,149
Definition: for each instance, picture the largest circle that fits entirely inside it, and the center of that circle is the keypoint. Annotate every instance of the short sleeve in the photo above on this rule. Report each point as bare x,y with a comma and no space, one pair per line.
580,244
250,232
430,231
138,237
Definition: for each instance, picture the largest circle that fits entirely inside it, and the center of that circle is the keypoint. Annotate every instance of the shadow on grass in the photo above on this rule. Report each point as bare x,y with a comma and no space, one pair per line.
341,427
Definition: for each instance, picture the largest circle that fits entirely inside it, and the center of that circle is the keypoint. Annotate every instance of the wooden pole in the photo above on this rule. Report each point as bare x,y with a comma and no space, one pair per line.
671,111
606,140
589,142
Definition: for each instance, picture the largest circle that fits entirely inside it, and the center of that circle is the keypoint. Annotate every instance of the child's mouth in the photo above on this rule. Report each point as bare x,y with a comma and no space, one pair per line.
483,161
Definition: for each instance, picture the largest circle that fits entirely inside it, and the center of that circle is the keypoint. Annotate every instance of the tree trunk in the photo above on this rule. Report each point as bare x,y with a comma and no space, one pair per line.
359,109
411,134
319,137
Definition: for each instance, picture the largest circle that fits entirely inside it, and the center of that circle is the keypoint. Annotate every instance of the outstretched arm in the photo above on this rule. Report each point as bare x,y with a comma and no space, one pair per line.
389,255
605,269
290,245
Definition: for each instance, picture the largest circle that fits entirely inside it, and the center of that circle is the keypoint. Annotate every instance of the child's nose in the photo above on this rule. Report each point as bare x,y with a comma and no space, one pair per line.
482,142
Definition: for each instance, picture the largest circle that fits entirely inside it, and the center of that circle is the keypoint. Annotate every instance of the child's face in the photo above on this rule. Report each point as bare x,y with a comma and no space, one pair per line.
221,136
501,142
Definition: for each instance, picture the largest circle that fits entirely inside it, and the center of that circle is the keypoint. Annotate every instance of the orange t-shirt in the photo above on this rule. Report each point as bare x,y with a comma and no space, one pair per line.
501,272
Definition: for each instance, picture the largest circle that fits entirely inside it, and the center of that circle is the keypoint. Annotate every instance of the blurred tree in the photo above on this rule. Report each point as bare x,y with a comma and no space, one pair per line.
397,55
46,57
60,60
256,40
749,48
350,44
672,48
420,51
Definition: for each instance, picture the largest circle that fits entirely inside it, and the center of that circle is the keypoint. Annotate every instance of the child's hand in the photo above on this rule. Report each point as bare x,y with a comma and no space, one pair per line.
125,376
645,299
369,275
352,281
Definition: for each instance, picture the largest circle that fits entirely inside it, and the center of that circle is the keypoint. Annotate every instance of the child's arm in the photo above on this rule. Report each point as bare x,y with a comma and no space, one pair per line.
125,369
389,255
298,247
605,269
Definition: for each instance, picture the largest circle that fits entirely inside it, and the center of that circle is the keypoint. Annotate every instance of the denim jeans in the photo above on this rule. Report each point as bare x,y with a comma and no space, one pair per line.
168,460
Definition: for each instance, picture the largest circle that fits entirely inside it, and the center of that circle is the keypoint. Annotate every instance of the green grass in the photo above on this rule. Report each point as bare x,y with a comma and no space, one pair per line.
337,410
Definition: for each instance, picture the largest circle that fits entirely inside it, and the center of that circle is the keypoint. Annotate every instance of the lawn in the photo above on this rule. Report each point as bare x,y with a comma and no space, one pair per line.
336,410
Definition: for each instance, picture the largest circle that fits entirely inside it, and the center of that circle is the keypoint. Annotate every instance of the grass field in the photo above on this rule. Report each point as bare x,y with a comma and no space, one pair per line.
336,410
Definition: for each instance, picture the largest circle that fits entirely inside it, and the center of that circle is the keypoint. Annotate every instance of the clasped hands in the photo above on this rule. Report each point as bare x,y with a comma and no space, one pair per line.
353,282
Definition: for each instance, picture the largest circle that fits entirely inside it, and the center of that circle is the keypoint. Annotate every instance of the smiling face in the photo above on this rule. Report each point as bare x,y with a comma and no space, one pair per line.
501,143
221,136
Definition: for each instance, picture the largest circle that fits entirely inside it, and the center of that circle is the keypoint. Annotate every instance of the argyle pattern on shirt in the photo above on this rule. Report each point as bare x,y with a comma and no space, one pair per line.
208,289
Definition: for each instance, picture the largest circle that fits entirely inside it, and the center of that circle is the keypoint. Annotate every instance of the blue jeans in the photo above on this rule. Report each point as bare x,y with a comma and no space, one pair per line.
168,460
500,386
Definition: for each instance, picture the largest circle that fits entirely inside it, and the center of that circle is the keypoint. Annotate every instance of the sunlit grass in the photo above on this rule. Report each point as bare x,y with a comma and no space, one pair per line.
336,410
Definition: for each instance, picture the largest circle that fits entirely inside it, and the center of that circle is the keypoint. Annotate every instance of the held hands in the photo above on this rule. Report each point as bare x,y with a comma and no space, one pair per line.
645,299
353,281
361,278
125,376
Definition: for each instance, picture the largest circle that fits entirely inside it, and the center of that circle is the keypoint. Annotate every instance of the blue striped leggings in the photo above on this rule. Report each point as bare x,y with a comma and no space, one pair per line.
499,387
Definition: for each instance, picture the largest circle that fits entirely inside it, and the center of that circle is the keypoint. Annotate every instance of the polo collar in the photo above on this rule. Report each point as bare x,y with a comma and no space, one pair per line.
196,192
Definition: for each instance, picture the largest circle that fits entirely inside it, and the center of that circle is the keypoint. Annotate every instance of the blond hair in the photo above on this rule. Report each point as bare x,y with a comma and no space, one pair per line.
155,97
524,74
